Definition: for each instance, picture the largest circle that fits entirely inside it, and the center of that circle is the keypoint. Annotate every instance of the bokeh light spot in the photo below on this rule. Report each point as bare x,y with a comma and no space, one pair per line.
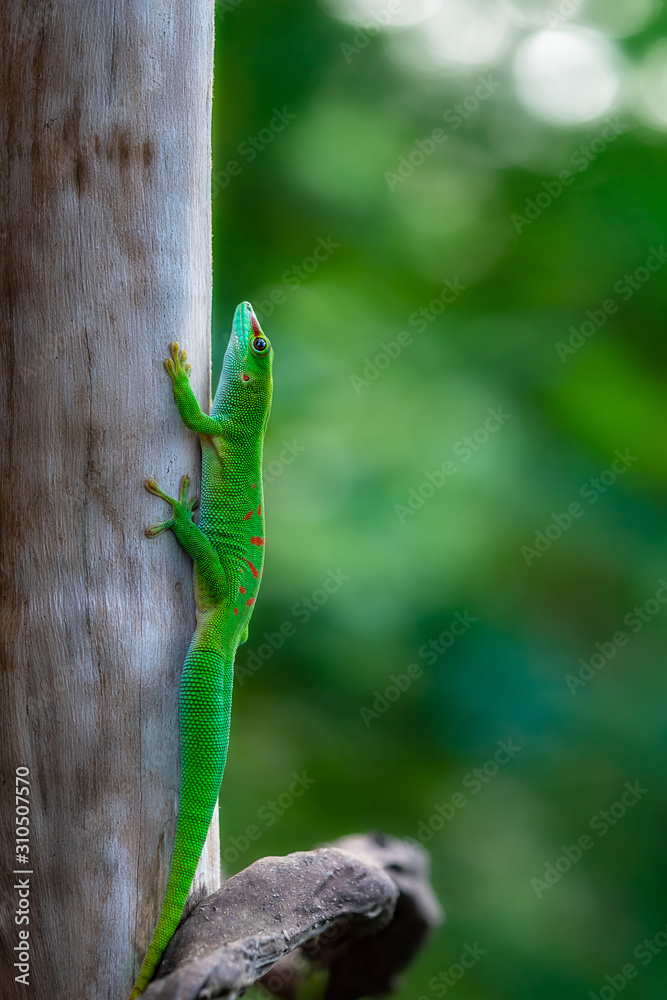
652,89
568,76
381,14
460,35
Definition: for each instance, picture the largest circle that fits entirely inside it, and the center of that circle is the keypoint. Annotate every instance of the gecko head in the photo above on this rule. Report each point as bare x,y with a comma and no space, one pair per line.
245,381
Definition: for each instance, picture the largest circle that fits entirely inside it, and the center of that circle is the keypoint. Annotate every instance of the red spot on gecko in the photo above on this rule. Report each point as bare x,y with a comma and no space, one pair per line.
251,600
246,378
248,515
254,486
255,325
241,590
256,540
259,509
252,568
236,611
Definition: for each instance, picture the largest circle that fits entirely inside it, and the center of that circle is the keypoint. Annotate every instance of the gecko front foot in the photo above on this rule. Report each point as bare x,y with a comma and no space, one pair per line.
181,509
178,365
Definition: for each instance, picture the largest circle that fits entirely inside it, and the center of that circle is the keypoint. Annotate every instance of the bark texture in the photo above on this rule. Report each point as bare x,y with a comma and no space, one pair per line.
104,259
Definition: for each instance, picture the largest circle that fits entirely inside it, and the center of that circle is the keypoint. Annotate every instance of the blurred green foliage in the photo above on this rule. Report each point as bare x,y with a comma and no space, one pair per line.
313,134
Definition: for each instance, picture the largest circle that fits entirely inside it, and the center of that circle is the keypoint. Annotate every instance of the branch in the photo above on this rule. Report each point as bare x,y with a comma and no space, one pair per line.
359,909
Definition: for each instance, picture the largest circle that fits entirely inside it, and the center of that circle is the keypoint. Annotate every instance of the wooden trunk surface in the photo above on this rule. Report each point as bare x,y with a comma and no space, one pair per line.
105,259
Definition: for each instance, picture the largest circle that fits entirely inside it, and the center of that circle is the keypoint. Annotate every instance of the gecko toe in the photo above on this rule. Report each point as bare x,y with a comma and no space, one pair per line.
183,490
157,529
152,487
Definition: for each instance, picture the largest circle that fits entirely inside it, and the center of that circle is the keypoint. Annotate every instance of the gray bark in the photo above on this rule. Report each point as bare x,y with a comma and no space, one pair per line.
356,912
104,259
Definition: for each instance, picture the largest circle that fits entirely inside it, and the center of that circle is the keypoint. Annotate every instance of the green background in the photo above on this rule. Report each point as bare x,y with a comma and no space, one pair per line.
344,457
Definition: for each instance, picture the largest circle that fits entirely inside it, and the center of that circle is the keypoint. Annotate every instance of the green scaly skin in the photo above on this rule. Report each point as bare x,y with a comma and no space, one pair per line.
228,552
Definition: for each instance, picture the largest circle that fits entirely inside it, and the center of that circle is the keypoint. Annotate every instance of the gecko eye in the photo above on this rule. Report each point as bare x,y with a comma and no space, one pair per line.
260,345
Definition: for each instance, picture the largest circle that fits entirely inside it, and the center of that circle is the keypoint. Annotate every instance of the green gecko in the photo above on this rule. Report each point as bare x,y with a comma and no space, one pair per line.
227,548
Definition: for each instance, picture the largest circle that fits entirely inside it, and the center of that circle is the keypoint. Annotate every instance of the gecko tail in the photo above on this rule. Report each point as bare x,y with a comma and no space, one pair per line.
205,711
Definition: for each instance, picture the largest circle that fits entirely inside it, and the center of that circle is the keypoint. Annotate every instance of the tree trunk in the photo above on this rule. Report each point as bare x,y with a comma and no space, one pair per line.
105,259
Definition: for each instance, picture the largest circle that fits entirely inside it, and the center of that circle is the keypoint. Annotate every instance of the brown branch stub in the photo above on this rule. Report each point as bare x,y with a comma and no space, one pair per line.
358,910
274,906
371,966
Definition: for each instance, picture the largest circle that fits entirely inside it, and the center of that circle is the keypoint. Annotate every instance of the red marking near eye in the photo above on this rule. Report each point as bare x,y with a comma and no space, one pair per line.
252,568
256,540
250,601
255,325
246,378
241,590
248,515
259,509
236,611
254,486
